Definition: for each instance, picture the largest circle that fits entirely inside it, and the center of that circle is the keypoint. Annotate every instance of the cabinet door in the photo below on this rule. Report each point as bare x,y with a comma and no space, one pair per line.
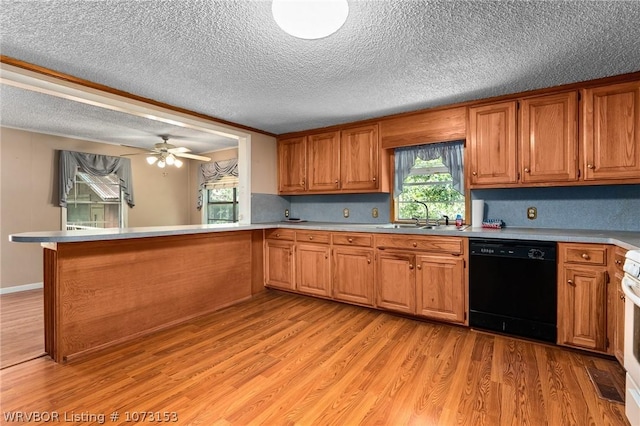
323,162
359,163
278,268
440,288
396,281
611,131
353,275
582,308
492,142
618,308
549,138
292,165
313,269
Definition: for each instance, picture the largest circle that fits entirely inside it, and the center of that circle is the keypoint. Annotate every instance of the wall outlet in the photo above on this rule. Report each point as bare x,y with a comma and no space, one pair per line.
532,213
286,212
374,212
345,212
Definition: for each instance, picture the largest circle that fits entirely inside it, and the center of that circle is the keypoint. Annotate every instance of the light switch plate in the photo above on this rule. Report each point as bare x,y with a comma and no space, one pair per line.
532,213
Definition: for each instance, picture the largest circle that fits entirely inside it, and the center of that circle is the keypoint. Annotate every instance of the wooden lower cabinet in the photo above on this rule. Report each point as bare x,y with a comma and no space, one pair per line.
353,275
313,269
279,265
440,288
582,302
396,281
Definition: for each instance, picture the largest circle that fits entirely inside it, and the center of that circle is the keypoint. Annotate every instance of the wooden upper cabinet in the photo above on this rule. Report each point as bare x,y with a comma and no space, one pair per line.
492,143
323,161
292,169
548,139
440,125
611,131
359,158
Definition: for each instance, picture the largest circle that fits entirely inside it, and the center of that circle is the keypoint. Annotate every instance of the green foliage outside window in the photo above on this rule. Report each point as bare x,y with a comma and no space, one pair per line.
433,188
222,205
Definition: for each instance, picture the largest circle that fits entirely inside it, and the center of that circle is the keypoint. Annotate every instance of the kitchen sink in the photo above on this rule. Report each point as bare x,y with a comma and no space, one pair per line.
433,227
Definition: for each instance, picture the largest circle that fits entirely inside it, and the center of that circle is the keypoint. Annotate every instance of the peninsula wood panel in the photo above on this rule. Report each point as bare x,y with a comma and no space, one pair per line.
425,127
112,291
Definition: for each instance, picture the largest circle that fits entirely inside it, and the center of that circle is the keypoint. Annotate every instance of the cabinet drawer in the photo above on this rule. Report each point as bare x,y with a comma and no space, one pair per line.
436,244
619,258
346,239
280,234
312,237
587,254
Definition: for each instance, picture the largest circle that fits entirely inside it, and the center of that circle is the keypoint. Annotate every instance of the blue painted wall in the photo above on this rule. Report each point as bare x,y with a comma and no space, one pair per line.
610,207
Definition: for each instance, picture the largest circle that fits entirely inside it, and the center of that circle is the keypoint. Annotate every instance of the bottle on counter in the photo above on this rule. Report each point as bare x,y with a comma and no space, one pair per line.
458,220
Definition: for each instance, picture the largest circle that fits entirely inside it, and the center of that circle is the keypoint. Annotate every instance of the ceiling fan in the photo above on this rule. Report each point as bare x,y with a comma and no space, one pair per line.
163,154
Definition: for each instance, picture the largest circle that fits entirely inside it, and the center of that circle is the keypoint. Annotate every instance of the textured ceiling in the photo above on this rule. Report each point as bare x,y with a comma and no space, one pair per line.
228,59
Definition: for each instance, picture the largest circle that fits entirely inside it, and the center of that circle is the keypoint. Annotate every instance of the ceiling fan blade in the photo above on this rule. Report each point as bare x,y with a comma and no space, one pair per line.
135,153
192,156
178,150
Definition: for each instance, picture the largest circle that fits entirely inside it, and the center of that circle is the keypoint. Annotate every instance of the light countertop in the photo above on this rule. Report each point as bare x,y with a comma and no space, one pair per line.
626,240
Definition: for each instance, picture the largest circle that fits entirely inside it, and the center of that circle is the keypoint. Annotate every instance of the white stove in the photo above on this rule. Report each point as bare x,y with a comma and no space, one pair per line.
631,289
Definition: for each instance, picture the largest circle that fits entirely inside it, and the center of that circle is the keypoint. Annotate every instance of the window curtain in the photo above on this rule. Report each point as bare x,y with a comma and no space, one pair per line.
97,165
224,173
451,154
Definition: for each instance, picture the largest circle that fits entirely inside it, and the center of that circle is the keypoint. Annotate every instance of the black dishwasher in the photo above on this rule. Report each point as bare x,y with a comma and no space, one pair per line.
512,287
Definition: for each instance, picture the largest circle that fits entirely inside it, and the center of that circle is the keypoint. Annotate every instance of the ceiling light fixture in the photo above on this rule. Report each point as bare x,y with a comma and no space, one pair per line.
310,19
152,159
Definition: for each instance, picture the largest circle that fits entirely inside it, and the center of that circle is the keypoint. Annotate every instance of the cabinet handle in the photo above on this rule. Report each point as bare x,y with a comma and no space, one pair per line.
419,267
277,235
622,297
410,266
474,173
526,170
374,178
591,166
350,240
570,282
618,262
337,182
368,260
415,244
585,256
310,237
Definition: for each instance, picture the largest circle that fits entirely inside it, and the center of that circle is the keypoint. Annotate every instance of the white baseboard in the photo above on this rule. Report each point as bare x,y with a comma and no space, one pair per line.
15,289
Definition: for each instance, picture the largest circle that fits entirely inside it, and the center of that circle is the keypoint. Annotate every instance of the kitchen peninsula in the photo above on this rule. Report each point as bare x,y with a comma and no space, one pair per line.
104,287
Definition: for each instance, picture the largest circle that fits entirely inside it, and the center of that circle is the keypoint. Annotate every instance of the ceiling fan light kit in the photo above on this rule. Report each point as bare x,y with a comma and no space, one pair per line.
164,154
310,19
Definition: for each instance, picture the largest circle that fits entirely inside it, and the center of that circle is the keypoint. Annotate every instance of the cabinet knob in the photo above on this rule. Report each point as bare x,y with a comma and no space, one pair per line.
618,262
337,182
368,260
622,297
585,256
410,266
350,240
310,237
419,267
474,173
415,244
277,234
591,166
570,282
374,178
526,170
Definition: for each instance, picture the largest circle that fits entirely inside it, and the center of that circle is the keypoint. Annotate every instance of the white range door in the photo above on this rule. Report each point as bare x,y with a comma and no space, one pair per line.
631,289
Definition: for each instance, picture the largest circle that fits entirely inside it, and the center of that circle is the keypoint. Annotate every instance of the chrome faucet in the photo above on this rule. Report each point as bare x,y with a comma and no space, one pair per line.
426,209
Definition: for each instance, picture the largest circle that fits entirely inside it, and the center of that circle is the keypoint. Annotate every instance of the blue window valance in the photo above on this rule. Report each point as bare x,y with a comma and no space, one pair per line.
97,165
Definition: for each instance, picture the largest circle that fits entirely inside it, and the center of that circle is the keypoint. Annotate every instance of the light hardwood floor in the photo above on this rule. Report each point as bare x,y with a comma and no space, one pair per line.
288,359
21,327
